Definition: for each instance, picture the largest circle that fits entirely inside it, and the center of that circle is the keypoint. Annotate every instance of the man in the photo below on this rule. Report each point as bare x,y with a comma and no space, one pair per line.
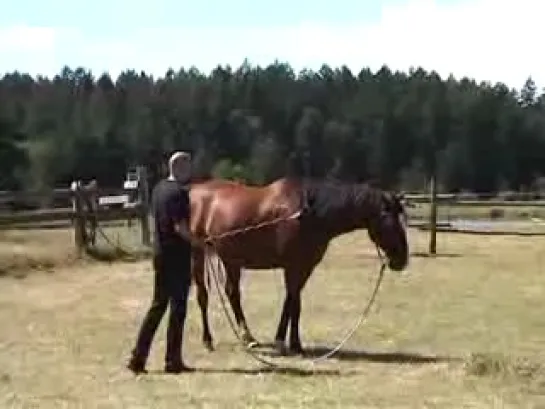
172,265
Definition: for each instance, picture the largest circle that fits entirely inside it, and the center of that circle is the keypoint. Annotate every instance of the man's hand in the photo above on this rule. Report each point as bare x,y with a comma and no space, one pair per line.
183,230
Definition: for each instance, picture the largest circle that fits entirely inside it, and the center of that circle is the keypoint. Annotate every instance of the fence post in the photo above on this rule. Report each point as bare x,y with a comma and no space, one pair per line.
144,205
78,217
433,216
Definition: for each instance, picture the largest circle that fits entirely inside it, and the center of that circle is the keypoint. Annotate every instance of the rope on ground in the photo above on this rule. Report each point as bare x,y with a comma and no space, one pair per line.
116,247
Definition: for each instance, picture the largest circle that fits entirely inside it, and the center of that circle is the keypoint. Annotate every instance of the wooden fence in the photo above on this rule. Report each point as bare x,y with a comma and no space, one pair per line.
478,200
88,207
472,200
116,204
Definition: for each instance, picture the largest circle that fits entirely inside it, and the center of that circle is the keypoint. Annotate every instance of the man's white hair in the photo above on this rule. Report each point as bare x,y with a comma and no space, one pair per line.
176,157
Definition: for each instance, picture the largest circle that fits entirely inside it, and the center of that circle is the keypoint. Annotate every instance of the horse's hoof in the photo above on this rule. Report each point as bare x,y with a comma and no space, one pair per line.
249,340
280,347
209,346
297,350
252,344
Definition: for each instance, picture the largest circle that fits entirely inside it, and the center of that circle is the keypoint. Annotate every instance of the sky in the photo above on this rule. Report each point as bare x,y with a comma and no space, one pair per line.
488,40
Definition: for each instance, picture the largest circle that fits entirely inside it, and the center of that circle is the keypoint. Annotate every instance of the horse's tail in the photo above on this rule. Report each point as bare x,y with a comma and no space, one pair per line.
205,258
207,272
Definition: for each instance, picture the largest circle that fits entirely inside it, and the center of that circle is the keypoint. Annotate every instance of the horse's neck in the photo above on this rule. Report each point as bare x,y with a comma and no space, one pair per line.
347,212
343,221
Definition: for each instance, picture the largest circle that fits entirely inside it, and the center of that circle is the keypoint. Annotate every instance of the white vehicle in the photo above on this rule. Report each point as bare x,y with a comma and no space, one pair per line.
131,184
132,180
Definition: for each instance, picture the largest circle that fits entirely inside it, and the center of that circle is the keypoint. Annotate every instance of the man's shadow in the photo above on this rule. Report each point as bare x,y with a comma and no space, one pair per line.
279,369
299,365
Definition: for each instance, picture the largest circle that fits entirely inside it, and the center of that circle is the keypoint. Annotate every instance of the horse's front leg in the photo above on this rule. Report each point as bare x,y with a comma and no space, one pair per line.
232,289
198,273
294,279
282,329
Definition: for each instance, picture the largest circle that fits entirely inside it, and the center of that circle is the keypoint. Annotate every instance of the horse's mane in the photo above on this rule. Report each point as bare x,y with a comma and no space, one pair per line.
325,198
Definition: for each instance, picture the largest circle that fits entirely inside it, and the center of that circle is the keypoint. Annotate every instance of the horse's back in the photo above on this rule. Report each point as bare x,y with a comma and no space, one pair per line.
221,205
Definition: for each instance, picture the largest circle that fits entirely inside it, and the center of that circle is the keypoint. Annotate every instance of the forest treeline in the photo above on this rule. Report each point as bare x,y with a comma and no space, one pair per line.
259,123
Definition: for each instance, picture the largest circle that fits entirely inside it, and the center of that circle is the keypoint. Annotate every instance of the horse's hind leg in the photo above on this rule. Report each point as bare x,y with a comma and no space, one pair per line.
198,272
232,289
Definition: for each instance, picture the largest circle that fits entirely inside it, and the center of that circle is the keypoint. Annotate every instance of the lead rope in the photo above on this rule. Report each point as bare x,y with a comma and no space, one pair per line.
213,271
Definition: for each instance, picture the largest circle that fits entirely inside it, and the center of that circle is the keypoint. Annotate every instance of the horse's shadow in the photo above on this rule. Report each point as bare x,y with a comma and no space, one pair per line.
395,357
353,355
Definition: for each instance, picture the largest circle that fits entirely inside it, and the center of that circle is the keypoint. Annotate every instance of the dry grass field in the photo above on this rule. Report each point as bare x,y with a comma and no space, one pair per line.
463,330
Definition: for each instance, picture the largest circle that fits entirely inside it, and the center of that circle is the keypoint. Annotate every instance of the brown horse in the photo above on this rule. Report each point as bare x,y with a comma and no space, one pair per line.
303,217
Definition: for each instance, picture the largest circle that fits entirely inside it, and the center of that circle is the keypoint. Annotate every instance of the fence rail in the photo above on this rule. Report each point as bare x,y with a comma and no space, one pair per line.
35,197
53,215
111,196
89,206
421,199
119,204
472,198
458,199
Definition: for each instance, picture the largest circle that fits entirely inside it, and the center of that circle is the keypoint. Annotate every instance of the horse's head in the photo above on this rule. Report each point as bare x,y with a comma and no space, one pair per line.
386,227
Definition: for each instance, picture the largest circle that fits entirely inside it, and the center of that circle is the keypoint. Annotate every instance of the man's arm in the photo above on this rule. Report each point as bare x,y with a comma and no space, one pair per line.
181,217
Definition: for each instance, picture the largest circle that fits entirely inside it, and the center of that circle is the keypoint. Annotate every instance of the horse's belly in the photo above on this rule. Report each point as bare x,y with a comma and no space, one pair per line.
263,245
250,257
255,251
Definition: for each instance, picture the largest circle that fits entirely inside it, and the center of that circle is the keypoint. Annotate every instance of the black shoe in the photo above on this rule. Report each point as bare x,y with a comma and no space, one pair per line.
137,367
178,368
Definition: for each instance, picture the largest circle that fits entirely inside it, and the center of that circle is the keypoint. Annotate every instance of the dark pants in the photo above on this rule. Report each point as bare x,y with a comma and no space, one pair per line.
172,284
